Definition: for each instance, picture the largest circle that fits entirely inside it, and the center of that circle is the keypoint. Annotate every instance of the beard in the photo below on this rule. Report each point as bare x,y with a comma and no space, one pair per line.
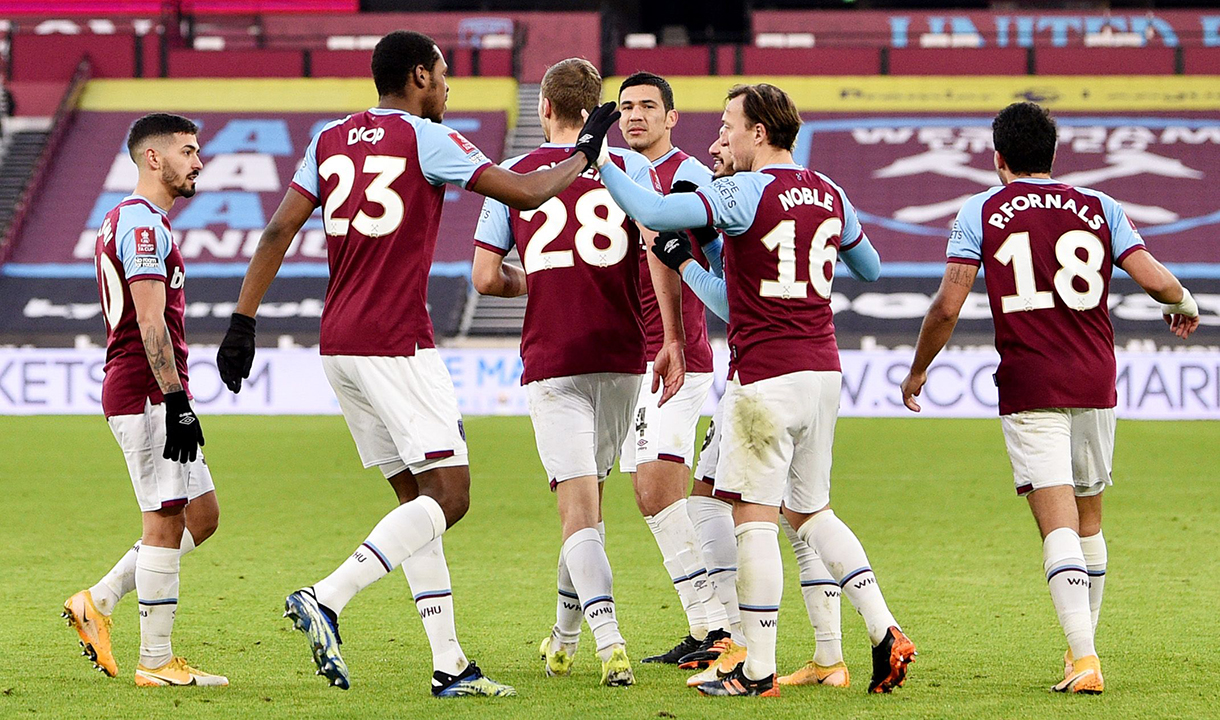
181,185
435,111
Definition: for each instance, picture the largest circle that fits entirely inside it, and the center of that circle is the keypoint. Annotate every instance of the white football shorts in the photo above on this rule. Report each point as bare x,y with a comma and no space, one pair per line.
709,453
667,432
159,483
402,411
580,422
1061,446
776,440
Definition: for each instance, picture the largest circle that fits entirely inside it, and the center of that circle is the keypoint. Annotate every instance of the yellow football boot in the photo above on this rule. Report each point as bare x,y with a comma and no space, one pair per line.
813,674
616,669
178,673
1084,678
94,630
559,662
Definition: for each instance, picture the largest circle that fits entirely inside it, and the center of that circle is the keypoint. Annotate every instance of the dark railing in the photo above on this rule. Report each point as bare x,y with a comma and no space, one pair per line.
65,114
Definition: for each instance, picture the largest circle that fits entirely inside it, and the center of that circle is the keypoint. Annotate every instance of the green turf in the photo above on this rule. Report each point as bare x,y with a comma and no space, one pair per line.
956,554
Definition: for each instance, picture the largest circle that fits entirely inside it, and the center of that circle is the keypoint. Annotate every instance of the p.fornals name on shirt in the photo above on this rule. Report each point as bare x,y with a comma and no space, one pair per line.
1044,201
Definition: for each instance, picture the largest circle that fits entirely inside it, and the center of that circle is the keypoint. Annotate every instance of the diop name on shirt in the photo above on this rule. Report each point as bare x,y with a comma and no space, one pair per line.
1046,201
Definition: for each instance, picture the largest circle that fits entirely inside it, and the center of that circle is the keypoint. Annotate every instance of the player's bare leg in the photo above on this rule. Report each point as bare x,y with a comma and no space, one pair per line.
89,611
584,556
1055,510
660,493
760,586
844,557
822,604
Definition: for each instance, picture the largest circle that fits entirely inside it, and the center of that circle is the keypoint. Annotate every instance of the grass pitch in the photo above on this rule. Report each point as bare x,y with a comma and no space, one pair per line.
956,553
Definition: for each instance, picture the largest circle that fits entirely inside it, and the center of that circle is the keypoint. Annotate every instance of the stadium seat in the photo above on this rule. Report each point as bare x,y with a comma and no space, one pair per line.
958,61
496,62
688,60
726,60
810,61
235,63
1201,61
1104,61
340,63
50,58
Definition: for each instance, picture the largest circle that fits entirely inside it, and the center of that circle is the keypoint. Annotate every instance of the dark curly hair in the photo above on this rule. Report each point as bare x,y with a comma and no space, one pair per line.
1025,134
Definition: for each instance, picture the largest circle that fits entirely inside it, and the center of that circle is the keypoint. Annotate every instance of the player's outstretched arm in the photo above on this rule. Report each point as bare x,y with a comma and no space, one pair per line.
183,435
1179,308
492,276
676,211
938,326
526,191
236,354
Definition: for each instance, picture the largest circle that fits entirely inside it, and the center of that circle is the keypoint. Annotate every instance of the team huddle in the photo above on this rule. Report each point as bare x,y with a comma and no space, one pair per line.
621,252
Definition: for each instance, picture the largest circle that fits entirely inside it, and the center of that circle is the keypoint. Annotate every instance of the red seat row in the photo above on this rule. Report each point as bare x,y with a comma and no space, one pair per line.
698,60
53,58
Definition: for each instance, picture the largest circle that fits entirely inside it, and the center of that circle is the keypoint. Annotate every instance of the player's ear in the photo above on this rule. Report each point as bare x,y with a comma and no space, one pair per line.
671,119
420,77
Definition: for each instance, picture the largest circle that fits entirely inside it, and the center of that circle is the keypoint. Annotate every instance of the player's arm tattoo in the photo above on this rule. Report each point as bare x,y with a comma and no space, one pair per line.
959,274
160,351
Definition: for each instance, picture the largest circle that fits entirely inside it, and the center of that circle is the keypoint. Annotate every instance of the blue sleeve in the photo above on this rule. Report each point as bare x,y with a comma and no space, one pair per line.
713,252
693,171
862,260
711,290
641,171
143,244
1124,237
966,238
447,157
732,202
494,232
679,211
306,177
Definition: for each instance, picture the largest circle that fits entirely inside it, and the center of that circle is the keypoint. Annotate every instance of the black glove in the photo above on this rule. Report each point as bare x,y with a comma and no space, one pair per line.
183,436
673,249
593,134
704,234
236,353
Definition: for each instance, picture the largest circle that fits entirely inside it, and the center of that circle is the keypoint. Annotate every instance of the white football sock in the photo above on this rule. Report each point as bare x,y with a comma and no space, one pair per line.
760,586
1095,557
157,587
844,557
713,521
567,610
821,594
428,575
121,579
398,535
585,557
1068,581
675,536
